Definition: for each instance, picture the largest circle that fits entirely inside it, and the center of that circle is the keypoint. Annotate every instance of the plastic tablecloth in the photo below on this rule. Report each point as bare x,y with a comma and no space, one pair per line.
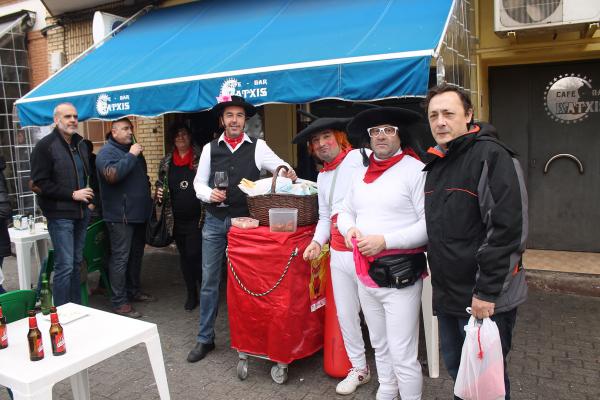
269,308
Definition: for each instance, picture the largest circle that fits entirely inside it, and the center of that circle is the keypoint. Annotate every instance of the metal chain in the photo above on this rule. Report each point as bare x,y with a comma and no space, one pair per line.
250,292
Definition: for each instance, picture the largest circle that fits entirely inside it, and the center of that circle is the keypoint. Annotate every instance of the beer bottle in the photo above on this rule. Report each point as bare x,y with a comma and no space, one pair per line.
3,331
45,296
56,334
34,337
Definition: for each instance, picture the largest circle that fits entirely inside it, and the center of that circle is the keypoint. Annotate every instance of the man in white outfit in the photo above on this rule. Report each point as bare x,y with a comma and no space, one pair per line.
383,220
326,140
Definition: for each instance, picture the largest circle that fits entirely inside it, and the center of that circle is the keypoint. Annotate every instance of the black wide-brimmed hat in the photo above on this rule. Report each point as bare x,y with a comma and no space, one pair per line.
395,116
320,125
230,101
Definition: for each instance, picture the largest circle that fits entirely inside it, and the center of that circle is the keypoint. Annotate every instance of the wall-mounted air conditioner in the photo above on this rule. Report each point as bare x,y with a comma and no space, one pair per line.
534,16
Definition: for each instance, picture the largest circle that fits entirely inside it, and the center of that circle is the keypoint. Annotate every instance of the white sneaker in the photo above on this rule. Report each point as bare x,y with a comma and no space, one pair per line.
386,396
355,378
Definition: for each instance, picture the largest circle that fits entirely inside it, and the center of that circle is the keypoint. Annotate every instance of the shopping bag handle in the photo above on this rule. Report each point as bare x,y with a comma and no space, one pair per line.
478,321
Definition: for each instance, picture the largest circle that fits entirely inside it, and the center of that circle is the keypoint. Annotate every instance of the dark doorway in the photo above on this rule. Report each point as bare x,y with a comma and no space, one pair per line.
550,114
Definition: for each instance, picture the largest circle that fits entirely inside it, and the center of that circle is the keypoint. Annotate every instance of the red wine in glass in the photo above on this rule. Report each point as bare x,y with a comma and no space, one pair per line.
221,183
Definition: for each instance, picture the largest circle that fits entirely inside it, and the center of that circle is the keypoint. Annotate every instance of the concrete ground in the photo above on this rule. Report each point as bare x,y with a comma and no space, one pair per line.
556,351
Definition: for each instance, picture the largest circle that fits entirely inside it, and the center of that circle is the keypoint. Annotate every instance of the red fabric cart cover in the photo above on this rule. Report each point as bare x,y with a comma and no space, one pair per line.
278,325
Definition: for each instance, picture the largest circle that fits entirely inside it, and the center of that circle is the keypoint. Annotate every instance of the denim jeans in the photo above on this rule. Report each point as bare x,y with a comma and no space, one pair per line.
452,337
68,239
127,243
214,241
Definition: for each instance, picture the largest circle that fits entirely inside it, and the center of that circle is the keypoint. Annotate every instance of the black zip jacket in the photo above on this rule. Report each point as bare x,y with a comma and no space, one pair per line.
476,214
54,175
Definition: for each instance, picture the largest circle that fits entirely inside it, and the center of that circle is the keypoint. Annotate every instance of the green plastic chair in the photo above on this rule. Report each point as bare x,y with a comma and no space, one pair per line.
95,255
15,304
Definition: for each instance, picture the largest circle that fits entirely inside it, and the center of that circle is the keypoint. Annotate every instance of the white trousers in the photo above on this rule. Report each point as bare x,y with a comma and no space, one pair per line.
345,292
392,316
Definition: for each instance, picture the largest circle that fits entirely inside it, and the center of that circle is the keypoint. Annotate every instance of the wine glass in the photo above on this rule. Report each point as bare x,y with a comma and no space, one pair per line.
221,183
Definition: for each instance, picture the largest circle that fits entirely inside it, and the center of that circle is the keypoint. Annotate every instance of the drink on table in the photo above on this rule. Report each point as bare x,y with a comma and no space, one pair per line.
57,338
34,337
3,331
45,295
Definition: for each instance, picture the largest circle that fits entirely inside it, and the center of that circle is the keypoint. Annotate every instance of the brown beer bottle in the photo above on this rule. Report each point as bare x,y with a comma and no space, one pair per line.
34,337
3,331
56,334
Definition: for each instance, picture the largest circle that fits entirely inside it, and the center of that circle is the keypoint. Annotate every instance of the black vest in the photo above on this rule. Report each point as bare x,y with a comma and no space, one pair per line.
240,164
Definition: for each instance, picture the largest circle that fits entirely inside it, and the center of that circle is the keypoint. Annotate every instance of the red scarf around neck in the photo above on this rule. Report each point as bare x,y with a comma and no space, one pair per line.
378,167
233,142
330,166
187,159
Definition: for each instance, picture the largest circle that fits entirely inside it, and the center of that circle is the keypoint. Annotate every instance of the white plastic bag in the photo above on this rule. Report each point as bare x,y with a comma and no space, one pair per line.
481,372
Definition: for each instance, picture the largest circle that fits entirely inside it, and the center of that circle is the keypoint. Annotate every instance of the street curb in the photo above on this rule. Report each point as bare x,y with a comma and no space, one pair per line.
564,282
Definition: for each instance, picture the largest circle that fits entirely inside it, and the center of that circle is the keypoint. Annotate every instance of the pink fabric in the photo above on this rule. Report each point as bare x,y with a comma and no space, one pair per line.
363,263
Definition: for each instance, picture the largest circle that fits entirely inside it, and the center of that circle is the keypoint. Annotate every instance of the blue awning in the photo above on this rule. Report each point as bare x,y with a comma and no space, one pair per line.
179,59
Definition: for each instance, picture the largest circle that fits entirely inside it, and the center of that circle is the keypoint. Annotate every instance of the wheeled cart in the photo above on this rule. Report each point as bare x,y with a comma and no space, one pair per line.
268,299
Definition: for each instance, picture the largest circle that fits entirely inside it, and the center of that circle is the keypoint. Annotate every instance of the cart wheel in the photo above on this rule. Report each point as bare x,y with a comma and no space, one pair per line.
279,374
242,369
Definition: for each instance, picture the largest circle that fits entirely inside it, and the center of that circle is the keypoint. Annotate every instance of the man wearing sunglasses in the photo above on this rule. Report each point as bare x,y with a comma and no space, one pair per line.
383,216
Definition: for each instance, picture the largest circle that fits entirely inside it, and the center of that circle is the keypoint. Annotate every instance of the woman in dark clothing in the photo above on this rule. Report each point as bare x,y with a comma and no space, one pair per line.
5,215
182,209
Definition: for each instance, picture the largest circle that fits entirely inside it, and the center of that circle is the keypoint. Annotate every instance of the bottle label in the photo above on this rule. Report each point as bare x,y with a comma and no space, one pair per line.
39,347
58,342
3,337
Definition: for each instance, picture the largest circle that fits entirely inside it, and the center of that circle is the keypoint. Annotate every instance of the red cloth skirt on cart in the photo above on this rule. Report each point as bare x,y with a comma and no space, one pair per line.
279,324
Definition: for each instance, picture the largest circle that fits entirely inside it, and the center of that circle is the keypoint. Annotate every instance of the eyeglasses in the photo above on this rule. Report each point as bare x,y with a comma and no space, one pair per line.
386,130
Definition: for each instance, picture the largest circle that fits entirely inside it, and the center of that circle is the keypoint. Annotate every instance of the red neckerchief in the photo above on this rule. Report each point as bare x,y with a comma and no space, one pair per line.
330,166
233,142
187,159
378,167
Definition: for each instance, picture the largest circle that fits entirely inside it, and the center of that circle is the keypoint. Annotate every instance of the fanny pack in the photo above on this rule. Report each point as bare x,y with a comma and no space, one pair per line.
398,270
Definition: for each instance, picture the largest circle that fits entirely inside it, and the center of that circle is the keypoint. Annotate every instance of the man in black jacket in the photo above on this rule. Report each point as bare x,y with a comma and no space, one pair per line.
126,203
60,172
476,215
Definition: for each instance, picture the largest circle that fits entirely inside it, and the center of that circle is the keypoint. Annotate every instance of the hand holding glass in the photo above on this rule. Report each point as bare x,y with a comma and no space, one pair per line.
221,183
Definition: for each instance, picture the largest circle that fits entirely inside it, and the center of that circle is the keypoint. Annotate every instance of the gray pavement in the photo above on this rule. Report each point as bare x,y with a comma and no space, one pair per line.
556,352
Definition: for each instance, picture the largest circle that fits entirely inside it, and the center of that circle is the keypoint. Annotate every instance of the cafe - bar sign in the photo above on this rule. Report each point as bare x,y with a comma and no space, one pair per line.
571,98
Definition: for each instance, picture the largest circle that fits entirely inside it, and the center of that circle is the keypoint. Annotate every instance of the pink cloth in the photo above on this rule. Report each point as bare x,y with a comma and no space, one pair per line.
363,263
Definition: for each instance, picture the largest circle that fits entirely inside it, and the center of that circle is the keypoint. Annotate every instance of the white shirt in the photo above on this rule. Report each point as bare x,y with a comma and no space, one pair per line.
350,166
392,206
264,158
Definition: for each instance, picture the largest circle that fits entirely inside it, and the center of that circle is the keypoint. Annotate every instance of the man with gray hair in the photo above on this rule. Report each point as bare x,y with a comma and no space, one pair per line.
60,170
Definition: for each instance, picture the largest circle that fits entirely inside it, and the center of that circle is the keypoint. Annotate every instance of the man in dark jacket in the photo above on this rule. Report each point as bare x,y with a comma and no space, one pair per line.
126,203
476,214
60,170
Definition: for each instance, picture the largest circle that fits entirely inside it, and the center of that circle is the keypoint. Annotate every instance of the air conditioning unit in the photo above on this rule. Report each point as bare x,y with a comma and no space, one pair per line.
538,16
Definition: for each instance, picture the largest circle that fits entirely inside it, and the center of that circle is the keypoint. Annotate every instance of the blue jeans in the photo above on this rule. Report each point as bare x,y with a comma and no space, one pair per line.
452,337
68,239
214,240
127,243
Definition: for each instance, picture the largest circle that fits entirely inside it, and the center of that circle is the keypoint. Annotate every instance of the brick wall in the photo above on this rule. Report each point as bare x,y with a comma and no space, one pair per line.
73,39
38,58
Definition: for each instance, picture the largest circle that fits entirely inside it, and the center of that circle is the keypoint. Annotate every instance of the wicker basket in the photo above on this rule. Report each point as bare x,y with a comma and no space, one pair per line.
308,206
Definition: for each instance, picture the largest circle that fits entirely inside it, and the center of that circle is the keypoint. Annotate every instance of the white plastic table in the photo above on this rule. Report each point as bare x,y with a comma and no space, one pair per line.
25,242
89,340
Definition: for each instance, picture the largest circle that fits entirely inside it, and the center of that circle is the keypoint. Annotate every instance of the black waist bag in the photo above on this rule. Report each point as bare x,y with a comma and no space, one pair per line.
398,270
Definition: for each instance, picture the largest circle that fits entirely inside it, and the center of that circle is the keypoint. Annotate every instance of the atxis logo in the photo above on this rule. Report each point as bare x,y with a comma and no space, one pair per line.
570,98
105,104
253,89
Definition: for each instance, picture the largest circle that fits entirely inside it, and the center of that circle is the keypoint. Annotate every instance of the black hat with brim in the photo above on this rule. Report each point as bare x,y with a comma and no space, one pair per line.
232,101
321,125
395,116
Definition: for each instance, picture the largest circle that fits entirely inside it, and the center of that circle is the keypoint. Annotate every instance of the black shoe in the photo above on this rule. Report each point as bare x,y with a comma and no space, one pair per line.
200,351
190,303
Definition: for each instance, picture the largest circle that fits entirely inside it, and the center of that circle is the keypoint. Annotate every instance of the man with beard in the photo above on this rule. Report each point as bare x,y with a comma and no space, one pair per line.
60,168
238,156
326,140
